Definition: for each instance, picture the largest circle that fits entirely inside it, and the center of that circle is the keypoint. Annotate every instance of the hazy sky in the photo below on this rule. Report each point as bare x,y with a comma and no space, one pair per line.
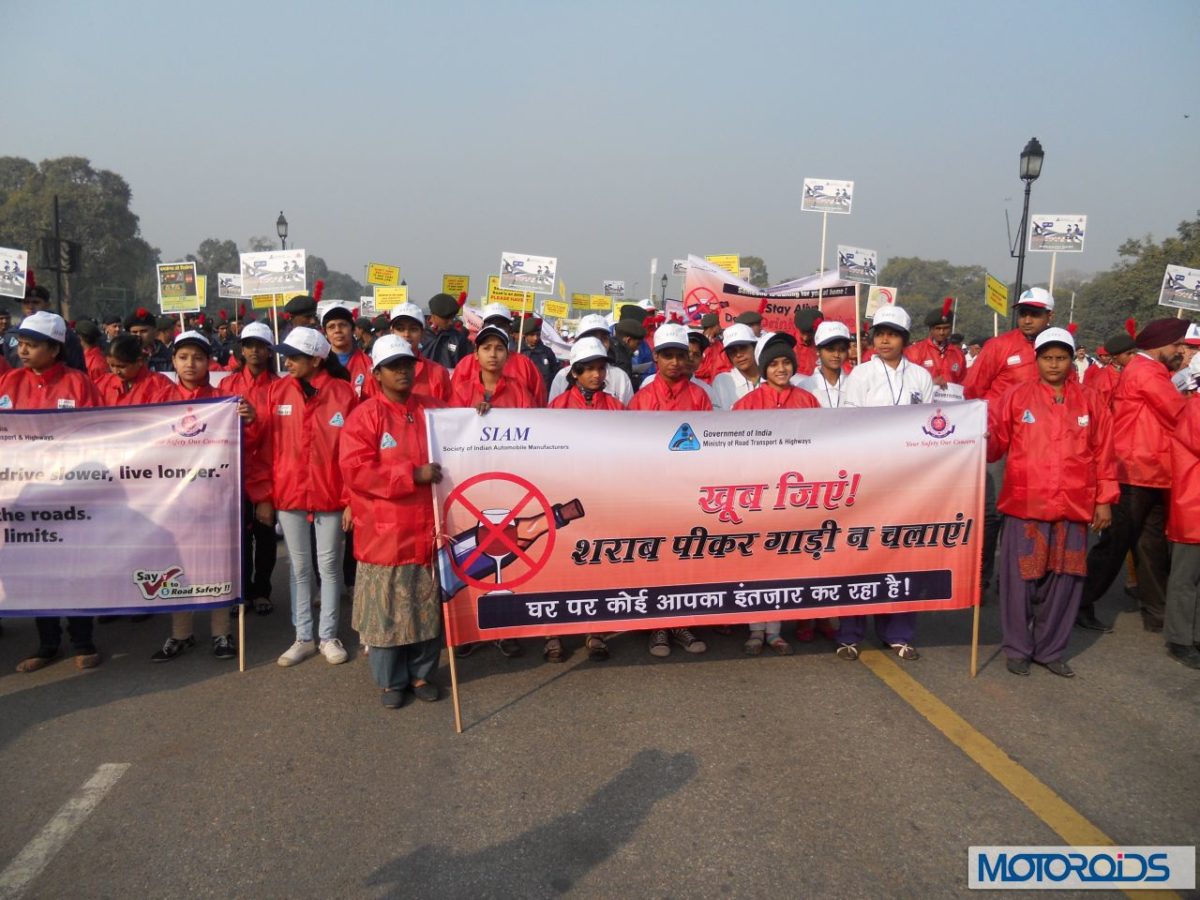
434,135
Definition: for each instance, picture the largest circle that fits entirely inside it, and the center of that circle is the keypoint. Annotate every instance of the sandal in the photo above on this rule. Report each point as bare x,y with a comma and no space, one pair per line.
780,646
263,606
553,651
597,649
754,644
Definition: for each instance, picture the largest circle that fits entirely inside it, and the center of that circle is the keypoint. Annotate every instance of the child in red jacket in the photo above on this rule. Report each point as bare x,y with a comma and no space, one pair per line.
1060,478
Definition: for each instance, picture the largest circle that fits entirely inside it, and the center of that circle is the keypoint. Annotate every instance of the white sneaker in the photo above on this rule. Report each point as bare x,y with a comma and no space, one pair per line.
298,653
333,651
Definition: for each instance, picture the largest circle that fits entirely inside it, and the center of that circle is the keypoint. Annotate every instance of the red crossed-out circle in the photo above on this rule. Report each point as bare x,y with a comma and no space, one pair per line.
495,531
700,298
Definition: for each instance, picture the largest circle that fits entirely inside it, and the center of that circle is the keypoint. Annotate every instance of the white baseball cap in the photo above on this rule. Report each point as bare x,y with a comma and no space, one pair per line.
588,349
304,342
43,326
895,317
1036,296
1054,336
389,348
830,330
192,337
591,323
671,335
407,311
647,303
738,334
257,331
1192,338
490,330
496,311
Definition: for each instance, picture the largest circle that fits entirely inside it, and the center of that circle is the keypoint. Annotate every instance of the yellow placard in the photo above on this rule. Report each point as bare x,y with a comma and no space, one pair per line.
730,262
562,290
202,290
267,301
387,298
581,301
556,309
177,288
601,302
516,301
383,275
456,284
996,296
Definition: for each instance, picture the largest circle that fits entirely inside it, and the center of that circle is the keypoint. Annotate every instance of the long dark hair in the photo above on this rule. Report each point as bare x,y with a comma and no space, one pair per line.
335,369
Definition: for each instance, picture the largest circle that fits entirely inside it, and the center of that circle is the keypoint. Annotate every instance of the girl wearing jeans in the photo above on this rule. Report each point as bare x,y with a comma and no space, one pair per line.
296,475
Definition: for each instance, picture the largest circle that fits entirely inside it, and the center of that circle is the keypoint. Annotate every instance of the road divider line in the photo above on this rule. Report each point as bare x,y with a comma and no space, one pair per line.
36,855
1037,796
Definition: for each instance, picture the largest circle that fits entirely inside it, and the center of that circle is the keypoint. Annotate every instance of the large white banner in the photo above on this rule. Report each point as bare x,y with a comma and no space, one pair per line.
125,509
1056,233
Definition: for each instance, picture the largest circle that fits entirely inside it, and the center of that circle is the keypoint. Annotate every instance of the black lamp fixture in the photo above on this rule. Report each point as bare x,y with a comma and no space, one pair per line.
281,229
664,291
1031,167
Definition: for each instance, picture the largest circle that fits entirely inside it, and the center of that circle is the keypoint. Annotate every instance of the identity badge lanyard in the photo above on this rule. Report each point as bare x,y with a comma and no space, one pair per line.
894,395
828,396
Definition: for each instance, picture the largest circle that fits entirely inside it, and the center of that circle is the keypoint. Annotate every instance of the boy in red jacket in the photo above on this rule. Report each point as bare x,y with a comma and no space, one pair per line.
1060,478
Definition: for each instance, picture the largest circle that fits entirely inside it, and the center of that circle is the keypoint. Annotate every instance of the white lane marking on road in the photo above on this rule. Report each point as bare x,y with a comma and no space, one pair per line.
30,862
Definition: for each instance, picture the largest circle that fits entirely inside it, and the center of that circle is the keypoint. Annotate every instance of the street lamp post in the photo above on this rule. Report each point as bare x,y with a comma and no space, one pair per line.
281,230
664,292
1031,168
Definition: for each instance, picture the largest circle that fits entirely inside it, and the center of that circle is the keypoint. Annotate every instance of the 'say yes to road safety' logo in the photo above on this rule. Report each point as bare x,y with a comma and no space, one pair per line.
938,426
684,439
163,584
189,426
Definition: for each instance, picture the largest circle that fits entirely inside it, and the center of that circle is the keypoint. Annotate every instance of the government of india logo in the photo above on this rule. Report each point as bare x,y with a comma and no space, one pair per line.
938,426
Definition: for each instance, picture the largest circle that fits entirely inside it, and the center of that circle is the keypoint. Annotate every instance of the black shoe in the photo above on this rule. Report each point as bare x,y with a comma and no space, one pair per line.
428,692
1152,627
1087,619
172,648
223,646
462,651
1185,653
1018,666
392,699
1059,668
508,647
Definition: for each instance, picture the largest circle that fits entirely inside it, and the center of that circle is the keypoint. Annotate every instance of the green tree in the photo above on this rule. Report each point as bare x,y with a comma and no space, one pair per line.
116,265
922,284
758,271
211,258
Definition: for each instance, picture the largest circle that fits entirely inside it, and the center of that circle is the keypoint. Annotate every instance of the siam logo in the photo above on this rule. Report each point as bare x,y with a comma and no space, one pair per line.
189,426
1027,417
938,426
163,584
338,420
684,439
1095,868
387,442
6,402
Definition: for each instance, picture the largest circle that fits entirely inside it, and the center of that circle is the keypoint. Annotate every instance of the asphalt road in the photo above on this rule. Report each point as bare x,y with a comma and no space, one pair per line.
704,776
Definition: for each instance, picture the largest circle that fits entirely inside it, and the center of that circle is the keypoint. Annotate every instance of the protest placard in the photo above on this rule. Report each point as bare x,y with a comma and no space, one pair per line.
388,298
614,289
884,516
879,296
229,286
827,195
730,262
1056,234
601,303
857,264
146,500
366,307
202,289
273,301
556,309
177,288
383,275
679,267
581,301
996,296
13,266
456,284
1180,288
272,272
531,274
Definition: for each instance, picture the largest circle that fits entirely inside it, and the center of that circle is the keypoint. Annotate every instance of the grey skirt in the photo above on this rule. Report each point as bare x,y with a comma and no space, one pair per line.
395,605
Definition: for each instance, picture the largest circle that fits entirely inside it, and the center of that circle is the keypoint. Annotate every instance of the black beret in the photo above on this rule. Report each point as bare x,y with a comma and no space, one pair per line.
806,317
165,323
631,328
365,324
38,291
112,320
443,305
709,320
301,306
1120,342
936,317
334,313
86,328
635,312
140,316
749,317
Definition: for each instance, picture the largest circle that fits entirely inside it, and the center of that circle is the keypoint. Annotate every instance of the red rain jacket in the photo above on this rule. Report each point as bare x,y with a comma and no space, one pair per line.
1145,409
950,364
1103,380
147,387
1183,516
1060,455
56,388
572,398
97,365
517,368
508,394
383,442
659,395
766,396
714,362
362,375
294,465
1003,362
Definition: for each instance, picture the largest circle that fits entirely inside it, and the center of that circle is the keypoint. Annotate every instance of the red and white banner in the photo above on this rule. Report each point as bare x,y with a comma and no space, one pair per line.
124,509
707,289
559,522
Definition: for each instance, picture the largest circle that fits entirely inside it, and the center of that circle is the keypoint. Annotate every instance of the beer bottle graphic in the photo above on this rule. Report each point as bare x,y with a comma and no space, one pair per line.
497,554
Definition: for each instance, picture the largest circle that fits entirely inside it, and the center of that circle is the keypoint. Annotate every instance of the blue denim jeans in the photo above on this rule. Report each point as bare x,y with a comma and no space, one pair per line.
301,578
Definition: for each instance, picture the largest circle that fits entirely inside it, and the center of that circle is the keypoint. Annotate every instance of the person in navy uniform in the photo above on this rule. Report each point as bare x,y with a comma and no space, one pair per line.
445,342
539,354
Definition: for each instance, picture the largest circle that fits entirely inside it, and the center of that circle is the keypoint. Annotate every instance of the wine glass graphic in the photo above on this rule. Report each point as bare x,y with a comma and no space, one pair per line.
491,544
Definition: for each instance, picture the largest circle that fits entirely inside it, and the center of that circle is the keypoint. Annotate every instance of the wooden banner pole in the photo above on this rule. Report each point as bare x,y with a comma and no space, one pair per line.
995,325
1053,264
857,327
242,635
821,282
975,639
